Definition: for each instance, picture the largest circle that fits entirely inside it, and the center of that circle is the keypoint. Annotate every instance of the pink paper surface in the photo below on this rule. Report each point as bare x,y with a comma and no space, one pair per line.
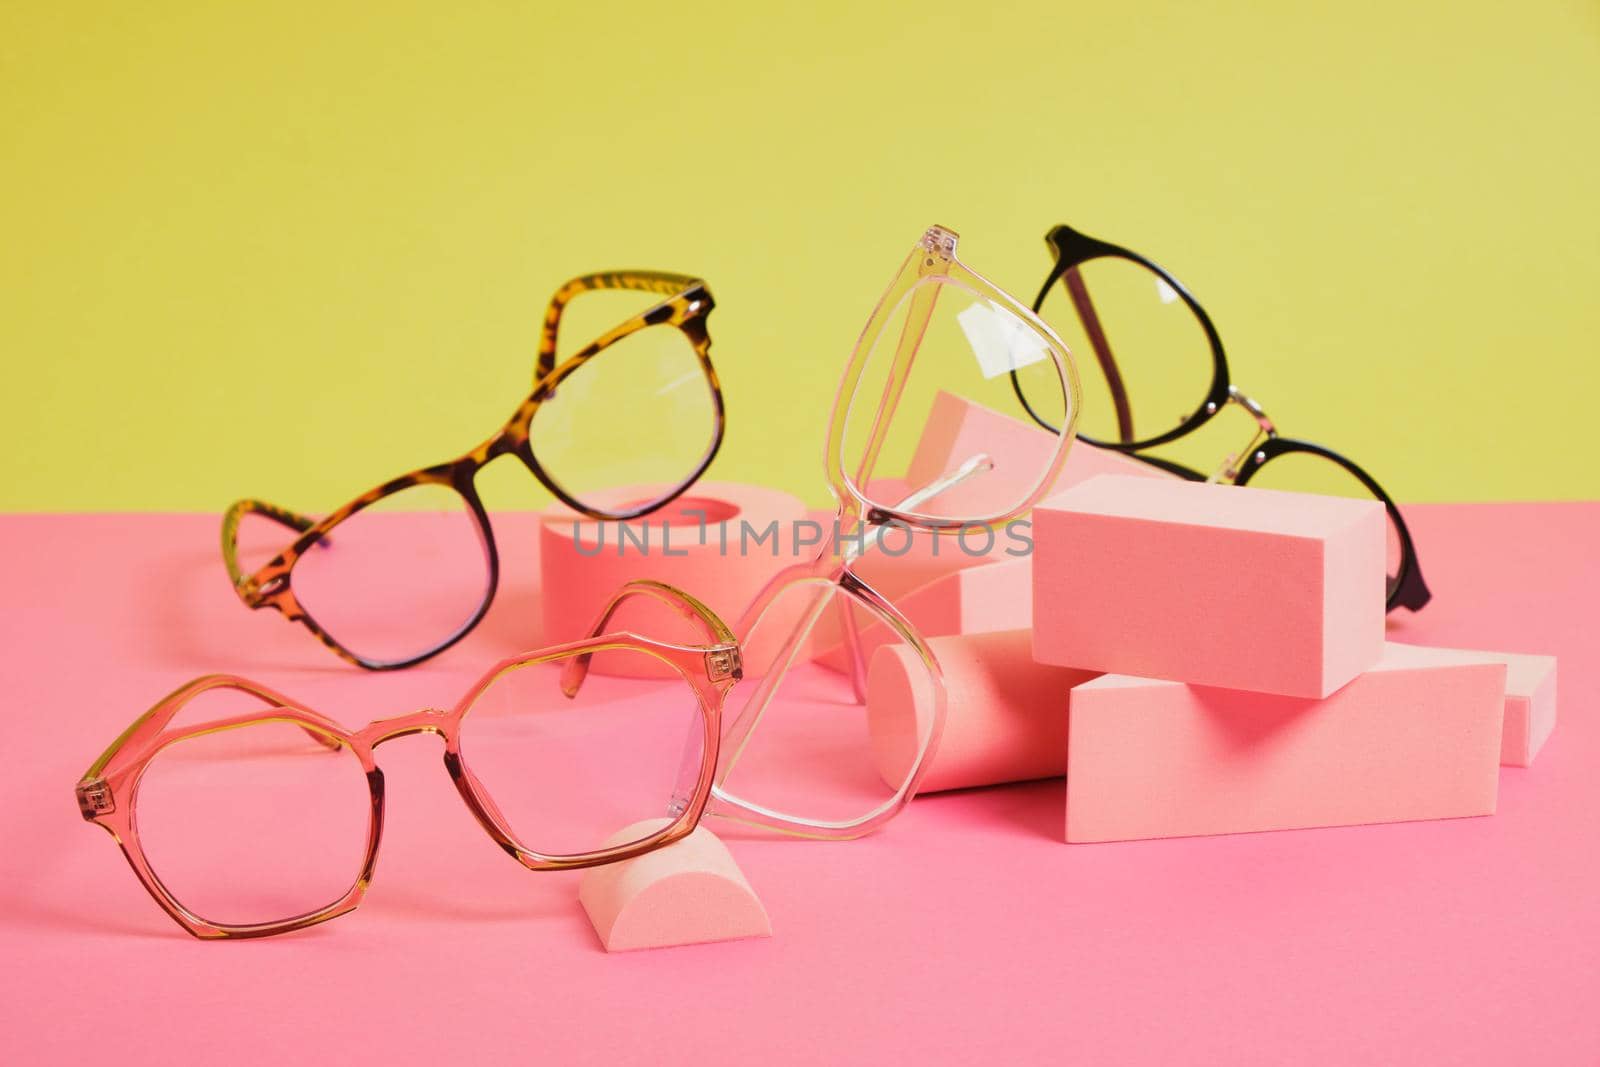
965,931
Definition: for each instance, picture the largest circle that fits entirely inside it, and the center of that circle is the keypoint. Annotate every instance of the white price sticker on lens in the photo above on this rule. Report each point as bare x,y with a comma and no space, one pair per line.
1001,342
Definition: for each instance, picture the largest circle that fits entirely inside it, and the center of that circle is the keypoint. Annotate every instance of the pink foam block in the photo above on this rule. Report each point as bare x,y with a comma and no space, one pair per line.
1212,584
1006,718
1416,737
1530,707
1530,704
689,893
995,596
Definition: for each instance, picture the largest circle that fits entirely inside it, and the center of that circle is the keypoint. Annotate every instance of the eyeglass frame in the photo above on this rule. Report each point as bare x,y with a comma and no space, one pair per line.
1071,249
934,256
688,305
107,793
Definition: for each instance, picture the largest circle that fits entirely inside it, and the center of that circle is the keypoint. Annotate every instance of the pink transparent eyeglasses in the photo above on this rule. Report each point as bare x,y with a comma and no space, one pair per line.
266,816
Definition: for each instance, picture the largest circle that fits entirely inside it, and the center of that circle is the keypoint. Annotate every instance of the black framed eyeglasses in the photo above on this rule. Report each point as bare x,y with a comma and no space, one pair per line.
1158,372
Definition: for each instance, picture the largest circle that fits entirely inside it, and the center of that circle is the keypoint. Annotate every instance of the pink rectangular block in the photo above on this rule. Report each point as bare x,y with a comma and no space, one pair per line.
1211,584
1530,704
1415,737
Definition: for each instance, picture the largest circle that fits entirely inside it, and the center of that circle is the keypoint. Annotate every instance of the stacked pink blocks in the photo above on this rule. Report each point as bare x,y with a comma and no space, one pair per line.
1246,683
1196,659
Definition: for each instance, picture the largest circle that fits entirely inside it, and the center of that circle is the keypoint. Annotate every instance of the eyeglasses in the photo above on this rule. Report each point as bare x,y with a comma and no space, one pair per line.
800,751
1159,373
266,816
407,569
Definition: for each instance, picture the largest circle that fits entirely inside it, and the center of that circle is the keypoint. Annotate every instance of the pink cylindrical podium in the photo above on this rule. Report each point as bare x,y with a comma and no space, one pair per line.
1006,719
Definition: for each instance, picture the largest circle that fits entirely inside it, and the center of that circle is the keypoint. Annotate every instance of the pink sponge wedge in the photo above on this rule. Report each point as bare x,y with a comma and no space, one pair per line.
689,893
1416,737
1210,584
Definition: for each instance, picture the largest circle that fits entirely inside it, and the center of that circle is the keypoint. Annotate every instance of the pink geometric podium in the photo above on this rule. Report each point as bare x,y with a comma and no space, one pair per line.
1209,584
1416,737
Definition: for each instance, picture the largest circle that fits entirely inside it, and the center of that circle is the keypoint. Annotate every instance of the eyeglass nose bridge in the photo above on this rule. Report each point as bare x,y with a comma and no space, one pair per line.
425,721
1250,404
1265,431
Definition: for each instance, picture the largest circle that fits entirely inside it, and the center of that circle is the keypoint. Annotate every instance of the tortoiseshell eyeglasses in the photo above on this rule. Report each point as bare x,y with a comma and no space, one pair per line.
407,569
266,816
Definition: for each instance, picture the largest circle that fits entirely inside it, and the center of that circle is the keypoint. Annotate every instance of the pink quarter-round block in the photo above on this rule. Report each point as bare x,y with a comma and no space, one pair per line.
1212,584
1006,718
689,893
1530,704
1415,737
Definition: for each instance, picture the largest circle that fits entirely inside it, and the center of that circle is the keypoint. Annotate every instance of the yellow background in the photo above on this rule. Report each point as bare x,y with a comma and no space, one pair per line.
289,250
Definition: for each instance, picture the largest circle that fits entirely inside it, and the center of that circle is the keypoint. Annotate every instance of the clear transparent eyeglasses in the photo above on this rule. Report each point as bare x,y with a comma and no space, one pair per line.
800,753
258,815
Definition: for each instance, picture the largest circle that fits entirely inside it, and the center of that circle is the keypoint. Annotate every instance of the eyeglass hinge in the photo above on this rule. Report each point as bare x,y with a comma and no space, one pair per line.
940,242
94,798
253,592
724,663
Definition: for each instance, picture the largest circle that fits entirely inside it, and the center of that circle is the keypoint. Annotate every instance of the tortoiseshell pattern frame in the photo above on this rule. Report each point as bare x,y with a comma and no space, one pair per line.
687,307
1071,249
108,792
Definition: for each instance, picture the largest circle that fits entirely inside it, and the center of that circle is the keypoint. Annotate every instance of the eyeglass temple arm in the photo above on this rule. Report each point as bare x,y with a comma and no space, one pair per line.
973,465
230,530
665,283
577,668
1081,301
